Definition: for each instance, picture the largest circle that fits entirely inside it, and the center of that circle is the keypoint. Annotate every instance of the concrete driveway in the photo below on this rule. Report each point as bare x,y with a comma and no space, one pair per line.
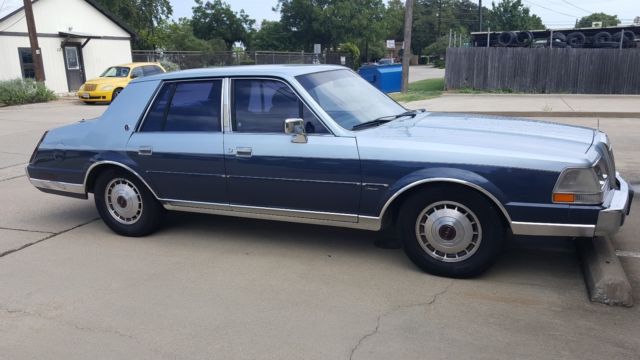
208,287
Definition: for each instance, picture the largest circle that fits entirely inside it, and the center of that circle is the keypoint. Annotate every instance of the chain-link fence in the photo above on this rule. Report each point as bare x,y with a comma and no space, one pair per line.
174,60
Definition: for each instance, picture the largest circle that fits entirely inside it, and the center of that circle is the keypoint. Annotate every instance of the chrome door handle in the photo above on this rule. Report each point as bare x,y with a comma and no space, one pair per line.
243,152
145,150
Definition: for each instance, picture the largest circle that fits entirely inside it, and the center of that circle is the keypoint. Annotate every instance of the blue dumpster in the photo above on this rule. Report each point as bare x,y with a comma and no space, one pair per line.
387,78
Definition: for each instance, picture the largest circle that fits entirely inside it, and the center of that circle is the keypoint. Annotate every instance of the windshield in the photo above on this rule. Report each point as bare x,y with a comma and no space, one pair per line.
347,98
116,71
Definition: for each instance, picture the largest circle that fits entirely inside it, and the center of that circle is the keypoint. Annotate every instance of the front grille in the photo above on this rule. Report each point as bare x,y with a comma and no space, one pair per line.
90,87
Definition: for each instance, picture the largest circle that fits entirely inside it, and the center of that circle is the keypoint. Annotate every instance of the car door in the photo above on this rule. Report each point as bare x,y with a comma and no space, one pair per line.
179,144
265,169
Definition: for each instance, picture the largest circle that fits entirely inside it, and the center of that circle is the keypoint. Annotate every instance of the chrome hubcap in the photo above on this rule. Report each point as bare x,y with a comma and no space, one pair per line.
448,231
123,201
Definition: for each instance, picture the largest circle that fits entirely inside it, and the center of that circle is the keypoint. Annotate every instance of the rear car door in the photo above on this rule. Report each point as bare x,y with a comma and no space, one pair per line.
265,169
179,144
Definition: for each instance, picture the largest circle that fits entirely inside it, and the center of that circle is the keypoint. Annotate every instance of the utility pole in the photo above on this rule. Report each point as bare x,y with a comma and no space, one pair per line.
480,14
406,54
33,40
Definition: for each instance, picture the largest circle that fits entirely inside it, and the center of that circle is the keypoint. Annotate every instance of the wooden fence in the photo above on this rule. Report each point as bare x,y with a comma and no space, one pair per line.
544,70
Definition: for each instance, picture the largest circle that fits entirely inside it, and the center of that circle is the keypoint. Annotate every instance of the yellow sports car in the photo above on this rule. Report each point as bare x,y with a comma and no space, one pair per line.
107,87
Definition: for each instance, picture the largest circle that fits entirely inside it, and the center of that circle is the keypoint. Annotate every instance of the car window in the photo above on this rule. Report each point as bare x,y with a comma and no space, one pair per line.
137,72
116,71
151,70
263,105
186,106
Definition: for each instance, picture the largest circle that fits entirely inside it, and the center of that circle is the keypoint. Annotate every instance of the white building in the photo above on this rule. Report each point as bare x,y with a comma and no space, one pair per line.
79,39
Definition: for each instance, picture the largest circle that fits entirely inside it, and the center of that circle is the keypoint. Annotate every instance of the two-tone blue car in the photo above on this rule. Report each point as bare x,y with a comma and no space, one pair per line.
319,145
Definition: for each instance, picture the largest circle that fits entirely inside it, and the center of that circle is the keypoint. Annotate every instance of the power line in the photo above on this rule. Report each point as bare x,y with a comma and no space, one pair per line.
576,6
546,8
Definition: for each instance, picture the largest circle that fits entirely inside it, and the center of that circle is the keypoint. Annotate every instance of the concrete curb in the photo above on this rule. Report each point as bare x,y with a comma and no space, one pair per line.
603,274
547,114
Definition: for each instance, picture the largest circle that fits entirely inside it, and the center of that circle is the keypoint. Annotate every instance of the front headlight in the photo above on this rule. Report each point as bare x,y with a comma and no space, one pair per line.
582,185
107,87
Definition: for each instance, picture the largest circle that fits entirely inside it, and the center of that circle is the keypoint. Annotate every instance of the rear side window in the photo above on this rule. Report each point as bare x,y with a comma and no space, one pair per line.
151,70
189,106
137,72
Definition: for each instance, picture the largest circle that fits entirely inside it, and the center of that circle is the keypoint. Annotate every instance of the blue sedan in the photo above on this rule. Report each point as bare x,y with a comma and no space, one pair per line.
319,145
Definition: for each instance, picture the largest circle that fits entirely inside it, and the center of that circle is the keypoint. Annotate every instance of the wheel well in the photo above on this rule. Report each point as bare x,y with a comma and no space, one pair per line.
95,172
391,214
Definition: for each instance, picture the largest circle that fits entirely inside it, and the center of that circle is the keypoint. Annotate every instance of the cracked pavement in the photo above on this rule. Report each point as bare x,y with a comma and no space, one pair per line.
208,287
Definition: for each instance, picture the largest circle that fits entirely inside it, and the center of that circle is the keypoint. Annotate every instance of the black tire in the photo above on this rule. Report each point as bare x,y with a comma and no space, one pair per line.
576,39
506,38
524,38
559,36
607,45
629,37
477,256
601,37
144,219
115,94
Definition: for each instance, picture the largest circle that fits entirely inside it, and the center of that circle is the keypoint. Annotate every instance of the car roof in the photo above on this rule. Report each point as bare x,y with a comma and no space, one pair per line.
137,64
244,70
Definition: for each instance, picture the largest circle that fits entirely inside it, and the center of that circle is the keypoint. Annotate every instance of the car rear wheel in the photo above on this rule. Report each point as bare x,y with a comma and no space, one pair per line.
126,205
451,231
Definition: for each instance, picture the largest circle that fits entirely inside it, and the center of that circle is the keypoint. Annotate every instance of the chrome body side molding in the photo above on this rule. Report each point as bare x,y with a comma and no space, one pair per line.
298,216
551,229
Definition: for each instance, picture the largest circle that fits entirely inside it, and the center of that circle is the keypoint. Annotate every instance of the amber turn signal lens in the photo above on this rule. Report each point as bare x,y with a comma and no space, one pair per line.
564,198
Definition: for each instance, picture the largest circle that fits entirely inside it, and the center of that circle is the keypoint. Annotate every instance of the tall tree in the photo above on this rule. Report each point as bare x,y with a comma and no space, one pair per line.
394,16
216,19
510,15
178,36
607,20
141,15
272,36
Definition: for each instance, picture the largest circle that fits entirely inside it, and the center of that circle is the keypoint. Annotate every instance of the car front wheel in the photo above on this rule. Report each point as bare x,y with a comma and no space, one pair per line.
126,205
451,231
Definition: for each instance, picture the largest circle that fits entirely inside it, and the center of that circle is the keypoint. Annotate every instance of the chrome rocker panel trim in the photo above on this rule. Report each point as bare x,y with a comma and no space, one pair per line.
60,186
298,216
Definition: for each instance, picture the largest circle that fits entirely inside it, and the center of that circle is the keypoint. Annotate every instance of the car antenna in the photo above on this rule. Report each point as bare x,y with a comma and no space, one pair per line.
598,124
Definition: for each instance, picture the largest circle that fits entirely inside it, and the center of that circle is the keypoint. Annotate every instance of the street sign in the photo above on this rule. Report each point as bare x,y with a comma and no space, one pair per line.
317,48
391,44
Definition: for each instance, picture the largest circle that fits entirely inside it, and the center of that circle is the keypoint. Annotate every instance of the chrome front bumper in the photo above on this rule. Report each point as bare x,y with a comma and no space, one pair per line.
611,218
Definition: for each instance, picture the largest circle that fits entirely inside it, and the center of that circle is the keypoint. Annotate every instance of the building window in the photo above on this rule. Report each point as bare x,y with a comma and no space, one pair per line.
71,53
26,63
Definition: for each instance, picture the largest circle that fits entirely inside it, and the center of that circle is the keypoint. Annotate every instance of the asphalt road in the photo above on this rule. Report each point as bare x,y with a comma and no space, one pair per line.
222,288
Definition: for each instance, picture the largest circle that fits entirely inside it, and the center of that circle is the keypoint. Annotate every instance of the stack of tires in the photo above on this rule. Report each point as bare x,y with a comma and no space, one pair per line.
575,39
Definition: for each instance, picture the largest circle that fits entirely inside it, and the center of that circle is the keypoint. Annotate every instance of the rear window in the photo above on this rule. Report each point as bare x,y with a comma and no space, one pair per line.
188,106
151,70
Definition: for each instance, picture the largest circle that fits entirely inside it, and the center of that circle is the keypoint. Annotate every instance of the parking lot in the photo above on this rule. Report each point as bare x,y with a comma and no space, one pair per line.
223,288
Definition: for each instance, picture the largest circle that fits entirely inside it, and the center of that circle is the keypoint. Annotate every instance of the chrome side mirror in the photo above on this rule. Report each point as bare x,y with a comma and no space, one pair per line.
295,126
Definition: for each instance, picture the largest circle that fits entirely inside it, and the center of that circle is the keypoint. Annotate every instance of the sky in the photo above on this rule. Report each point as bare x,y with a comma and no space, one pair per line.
554,13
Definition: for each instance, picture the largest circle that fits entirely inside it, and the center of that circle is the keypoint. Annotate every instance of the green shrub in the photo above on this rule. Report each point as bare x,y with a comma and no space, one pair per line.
439,63
24,91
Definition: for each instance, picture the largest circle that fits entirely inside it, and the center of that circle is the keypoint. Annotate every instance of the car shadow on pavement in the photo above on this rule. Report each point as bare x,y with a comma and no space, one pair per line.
534,261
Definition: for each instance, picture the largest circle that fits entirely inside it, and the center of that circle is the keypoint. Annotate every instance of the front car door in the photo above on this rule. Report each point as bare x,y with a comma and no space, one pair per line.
266,171
179,144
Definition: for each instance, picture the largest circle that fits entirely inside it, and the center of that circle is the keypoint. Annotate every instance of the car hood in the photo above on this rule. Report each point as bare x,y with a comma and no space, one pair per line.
477,135
107,80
